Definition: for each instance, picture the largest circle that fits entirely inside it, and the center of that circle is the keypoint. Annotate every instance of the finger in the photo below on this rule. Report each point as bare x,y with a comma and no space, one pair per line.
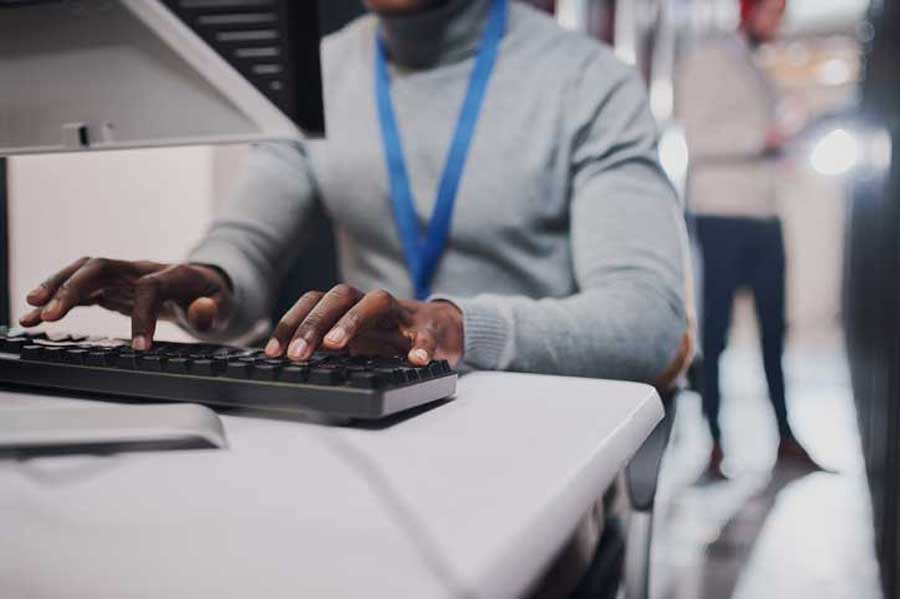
371,309
379,343
423,347
180,284
150,292
41,294
31,319
202,313
285,328
319,321
76,290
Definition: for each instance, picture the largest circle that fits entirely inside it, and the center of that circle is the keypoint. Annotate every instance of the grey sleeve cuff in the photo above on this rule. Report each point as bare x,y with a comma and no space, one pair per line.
487,331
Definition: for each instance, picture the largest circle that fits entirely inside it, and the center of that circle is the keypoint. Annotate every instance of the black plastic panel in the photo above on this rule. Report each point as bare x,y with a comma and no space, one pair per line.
274,44
872,296
4,248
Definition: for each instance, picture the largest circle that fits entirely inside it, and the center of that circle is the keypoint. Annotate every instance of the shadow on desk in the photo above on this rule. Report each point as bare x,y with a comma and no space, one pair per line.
103,450
311,418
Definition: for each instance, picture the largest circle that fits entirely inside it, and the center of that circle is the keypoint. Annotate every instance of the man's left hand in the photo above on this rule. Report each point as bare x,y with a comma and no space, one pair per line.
373,323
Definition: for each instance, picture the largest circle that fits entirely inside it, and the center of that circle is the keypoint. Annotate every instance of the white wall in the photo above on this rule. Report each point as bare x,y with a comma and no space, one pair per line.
136,204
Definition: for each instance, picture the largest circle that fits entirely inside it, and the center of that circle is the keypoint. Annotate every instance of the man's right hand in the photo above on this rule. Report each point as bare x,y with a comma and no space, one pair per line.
145,291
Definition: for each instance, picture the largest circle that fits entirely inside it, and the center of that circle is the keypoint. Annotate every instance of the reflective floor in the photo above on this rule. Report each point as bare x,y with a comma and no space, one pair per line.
767,532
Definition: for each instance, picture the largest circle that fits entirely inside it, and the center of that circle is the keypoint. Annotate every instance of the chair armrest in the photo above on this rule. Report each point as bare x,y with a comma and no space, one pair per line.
642,473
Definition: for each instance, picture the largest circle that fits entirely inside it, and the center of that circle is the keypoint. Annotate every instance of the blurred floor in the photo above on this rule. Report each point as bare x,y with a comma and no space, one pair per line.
767,532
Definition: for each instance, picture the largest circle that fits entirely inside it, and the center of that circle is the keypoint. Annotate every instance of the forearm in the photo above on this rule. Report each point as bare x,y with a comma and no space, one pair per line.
629,331
257,230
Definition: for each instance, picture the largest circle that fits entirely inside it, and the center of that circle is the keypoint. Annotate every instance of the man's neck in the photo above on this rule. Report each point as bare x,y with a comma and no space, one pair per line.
447,32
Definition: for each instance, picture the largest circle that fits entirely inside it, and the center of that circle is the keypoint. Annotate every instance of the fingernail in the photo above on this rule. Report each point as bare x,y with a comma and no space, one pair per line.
336,335
273,347
52,308
140,343
298,346
35,294
419,355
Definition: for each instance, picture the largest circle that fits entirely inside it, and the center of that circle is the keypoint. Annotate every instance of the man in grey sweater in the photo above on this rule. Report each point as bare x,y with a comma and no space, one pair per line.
565,251
564,255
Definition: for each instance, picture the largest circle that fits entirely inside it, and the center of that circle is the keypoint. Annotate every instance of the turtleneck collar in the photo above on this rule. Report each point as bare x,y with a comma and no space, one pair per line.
442,35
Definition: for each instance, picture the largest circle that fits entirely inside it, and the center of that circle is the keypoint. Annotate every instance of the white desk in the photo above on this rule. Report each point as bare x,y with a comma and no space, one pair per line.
471,498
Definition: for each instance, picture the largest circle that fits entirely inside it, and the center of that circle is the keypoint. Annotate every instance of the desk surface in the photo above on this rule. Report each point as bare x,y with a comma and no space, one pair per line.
473,498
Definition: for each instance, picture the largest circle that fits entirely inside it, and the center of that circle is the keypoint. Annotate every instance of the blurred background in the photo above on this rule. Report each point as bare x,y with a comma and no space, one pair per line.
765,532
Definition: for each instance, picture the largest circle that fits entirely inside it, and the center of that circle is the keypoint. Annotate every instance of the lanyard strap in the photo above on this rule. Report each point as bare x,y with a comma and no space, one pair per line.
423,249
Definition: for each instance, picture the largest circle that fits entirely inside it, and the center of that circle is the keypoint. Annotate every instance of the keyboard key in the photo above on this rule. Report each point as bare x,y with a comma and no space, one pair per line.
100,358
238,370
176,366
32,352
264,372
75,356
15,346
294,374
394,376
126,360
326,376
202,367
54,354
151,363
445,366
366,380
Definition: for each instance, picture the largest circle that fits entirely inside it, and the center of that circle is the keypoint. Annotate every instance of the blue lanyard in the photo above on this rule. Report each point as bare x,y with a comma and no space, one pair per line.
423,249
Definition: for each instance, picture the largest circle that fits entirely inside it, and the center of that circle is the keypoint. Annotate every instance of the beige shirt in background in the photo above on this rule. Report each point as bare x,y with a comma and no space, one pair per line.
727,106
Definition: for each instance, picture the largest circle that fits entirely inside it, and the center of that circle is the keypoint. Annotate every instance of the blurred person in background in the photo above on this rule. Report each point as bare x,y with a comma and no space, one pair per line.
728,106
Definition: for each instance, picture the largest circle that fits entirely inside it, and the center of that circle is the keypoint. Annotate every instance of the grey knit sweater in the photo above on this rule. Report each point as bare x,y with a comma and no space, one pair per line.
565,253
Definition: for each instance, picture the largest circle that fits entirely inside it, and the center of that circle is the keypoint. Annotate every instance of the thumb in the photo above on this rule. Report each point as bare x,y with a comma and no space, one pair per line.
203,313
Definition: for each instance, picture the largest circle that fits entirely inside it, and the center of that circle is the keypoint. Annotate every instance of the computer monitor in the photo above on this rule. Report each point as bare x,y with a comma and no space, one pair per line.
108,74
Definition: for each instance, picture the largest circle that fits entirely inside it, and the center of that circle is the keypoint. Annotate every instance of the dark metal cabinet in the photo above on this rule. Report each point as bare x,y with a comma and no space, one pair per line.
872,292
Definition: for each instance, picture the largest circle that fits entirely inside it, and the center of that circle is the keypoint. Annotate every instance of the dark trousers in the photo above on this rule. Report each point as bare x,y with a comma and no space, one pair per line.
737,253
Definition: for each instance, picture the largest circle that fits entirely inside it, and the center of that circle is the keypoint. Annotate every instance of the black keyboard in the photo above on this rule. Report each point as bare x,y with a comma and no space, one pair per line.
218,375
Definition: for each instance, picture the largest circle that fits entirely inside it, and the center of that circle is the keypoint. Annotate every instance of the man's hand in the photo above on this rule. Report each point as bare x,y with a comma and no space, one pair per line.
374,323
145,291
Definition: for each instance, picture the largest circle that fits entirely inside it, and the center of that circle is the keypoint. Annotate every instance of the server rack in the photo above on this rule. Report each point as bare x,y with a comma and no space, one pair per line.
872,291
4,248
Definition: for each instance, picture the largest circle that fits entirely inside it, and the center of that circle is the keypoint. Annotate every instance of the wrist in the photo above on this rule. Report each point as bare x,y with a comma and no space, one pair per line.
218,277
